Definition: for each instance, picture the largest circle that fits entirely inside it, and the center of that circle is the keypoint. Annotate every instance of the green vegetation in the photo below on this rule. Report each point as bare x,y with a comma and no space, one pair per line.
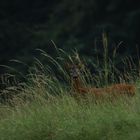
36,98
43,109
65,118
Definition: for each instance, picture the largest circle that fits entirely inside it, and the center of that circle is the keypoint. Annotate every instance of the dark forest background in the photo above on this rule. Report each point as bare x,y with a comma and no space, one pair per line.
29,24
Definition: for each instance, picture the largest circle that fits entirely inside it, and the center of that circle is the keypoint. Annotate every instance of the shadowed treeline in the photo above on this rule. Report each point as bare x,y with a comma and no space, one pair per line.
27,25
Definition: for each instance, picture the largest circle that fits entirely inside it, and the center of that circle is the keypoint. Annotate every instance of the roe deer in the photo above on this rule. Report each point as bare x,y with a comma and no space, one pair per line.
115,89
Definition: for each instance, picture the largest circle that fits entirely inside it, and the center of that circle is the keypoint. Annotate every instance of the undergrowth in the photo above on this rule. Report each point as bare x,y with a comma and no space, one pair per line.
43,107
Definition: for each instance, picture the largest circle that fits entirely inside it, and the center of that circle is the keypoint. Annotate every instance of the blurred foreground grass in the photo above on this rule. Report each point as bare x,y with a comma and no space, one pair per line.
61,118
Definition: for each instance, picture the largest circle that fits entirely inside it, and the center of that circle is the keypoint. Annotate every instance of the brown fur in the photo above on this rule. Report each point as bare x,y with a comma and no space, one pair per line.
115,89
126,89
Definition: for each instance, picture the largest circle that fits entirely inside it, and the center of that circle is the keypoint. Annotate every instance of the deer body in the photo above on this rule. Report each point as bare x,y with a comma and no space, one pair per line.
115,89
123,89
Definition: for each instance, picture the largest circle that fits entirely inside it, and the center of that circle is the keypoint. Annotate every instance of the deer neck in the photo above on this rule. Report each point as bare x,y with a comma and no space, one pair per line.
77,84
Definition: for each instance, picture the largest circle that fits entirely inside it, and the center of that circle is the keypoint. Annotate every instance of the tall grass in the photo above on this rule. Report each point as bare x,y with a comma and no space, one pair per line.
43,108
65,118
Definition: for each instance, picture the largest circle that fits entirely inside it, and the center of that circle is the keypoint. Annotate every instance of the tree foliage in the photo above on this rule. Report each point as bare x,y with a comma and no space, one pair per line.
26,25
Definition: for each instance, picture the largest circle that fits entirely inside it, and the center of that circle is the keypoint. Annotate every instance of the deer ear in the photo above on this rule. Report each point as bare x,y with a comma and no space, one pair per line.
67,66
80,65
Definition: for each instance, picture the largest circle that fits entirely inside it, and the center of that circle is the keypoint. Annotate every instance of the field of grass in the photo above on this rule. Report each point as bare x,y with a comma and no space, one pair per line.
61,118
45,109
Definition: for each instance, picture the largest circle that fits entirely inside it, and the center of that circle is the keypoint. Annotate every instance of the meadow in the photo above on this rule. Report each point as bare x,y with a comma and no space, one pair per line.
43,108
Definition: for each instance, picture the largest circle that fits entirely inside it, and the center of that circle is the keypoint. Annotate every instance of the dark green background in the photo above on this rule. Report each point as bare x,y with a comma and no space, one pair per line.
29,24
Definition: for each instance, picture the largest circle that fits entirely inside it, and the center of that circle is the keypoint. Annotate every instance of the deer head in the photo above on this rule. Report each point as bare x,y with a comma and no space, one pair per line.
74,70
